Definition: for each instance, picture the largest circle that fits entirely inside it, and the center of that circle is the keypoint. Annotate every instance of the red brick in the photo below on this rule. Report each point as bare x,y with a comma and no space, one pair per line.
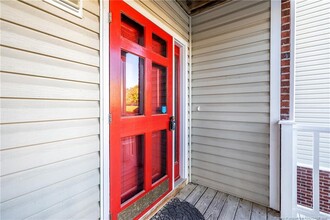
285,12
285,19
285,63
285,27
285,5
285,33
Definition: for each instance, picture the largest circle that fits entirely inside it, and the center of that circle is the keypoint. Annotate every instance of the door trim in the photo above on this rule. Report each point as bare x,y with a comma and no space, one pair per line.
104,111
183,113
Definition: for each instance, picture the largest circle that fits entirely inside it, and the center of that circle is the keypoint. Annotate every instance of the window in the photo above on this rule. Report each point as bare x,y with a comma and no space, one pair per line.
72,6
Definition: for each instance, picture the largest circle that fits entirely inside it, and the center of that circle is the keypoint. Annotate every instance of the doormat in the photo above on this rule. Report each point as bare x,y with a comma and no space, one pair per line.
176,209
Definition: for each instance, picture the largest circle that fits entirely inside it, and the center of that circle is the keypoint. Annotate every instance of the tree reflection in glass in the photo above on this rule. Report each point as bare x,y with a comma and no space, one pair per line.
132,69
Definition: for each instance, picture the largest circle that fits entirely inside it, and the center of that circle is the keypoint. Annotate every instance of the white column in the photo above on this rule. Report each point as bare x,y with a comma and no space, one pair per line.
288,170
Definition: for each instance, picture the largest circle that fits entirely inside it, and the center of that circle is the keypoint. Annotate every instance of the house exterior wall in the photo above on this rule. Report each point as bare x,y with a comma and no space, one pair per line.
311,86
312,96
49,111
230,85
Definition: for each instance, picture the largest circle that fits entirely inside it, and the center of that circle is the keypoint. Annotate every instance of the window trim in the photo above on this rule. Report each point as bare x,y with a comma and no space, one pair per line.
68,6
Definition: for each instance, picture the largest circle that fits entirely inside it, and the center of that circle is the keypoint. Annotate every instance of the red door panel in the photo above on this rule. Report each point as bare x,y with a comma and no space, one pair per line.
141,107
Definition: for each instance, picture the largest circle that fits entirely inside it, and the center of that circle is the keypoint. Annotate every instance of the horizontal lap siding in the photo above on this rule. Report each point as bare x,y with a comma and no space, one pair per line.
230,84
313,77
49,111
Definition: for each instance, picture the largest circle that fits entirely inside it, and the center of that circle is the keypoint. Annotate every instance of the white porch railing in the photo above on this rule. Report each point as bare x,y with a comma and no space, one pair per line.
289,207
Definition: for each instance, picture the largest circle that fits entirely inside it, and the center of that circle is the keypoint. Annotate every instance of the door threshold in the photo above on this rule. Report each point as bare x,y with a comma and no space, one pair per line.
179,182
179,185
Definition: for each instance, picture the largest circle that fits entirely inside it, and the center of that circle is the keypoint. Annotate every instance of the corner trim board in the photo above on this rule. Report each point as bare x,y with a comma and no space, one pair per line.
275,88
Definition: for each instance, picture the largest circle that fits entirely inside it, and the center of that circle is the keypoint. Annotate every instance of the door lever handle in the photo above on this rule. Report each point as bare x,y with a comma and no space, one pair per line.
172,123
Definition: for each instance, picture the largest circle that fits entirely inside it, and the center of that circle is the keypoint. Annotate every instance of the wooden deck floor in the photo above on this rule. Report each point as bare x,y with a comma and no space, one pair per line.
217,205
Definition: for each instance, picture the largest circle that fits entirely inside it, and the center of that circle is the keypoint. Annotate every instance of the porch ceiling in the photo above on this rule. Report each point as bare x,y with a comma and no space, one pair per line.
193,7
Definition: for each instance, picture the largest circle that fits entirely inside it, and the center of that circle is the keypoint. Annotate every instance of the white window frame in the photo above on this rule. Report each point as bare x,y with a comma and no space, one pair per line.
69,7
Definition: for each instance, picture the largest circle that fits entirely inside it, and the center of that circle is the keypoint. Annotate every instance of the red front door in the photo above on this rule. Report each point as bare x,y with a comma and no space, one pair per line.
141,107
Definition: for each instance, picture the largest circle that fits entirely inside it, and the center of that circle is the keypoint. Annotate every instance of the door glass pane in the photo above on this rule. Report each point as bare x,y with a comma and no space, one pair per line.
132,166
132,69
159,142
158,45
131,30
159,93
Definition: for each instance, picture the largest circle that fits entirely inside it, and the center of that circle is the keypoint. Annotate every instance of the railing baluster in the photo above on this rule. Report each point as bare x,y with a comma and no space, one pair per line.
316,173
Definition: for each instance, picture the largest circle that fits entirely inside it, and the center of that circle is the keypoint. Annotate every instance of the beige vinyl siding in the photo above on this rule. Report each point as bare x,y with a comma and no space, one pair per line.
49,111
170,14
230,84
313,77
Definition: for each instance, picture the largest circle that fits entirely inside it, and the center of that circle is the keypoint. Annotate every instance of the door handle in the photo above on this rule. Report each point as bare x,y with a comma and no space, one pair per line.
172,123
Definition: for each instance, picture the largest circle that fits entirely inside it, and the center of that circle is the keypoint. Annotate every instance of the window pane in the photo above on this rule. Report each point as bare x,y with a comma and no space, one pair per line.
159,93
159,142
131,30
132,166
158,45
132,69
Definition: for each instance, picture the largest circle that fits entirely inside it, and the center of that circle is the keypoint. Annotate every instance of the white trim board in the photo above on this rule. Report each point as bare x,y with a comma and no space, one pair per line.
275,88
292,59
104,111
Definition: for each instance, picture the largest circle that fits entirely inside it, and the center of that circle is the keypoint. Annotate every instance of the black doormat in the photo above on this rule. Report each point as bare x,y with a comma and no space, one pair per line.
176,209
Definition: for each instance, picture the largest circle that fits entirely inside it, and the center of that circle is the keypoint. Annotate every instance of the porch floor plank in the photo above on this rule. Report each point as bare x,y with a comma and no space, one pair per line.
259,212
244,210
205,201
185,192
216,205
272,215
229,209
196,194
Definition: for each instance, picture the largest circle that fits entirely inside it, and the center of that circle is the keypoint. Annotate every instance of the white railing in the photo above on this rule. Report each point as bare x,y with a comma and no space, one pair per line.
289,207
316,131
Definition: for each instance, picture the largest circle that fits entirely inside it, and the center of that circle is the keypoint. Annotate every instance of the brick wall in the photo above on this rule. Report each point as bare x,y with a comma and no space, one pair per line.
325,191
285,60
305,188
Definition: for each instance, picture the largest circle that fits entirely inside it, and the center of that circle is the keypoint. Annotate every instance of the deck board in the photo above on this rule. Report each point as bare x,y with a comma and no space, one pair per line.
196,194
272,215
218,205
206,199
258,212
244,210
229,209
185,192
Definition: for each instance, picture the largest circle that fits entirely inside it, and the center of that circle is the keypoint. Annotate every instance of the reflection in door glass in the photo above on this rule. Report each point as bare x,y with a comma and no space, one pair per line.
159,142
159,93
132,69
132,166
